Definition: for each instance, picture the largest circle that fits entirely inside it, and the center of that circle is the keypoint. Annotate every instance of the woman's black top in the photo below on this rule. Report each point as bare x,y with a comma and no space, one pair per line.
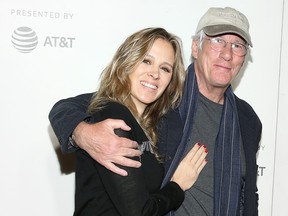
102,192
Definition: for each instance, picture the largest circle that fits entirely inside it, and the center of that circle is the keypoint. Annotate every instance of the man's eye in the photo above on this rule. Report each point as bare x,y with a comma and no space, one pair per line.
217,40
238,46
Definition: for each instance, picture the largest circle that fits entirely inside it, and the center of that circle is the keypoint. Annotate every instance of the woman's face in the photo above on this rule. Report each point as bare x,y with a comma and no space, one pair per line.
152,76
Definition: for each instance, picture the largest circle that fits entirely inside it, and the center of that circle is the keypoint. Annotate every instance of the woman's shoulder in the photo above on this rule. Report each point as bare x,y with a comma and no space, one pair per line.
113,110
114,105
116,109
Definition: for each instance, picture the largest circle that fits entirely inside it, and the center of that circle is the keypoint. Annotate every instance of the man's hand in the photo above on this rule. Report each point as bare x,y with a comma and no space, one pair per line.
104,146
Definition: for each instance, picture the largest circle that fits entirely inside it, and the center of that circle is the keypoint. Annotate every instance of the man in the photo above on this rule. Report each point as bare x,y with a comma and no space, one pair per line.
210,113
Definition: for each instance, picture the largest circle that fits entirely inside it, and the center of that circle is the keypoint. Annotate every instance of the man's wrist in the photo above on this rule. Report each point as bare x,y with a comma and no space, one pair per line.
72,141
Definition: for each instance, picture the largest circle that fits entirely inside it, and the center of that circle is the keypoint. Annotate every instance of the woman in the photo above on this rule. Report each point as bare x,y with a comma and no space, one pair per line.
144,79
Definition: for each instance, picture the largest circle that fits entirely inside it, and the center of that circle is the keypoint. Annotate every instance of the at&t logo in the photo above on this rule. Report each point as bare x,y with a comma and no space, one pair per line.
24,39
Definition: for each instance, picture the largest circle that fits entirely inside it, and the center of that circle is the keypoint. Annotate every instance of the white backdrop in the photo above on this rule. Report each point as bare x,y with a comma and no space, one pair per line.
75,41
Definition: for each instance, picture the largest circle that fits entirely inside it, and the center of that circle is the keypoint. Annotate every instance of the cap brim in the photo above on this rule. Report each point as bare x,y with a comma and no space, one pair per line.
223,29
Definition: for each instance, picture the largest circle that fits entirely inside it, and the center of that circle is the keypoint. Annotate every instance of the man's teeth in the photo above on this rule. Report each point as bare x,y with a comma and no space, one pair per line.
149,85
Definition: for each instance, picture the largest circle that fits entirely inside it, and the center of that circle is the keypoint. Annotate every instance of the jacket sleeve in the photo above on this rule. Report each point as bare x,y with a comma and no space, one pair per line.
251,131
65,115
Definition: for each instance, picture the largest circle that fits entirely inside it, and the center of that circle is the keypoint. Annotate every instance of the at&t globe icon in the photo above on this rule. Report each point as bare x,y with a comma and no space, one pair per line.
24,39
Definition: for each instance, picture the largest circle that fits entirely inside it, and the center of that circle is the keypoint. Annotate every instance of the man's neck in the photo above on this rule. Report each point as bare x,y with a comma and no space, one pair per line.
213,93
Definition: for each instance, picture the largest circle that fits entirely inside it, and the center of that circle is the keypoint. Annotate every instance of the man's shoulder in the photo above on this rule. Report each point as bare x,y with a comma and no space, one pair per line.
243,105
245,110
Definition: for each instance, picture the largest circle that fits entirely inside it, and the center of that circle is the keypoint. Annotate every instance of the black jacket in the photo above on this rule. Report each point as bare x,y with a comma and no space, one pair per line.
170,133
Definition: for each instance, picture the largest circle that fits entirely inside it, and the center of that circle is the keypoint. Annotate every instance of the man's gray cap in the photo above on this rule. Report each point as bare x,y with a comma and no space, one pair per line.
217,21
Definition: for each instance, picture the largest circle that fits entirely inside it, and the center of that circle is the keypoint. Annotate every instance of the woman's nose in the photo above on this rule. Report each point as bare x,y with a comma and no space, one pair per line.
155,73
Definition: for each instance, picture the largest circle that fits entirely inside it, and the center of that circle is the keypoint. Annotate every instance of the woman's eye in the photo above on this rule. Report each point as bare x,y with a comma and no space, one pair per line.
146,61
168,70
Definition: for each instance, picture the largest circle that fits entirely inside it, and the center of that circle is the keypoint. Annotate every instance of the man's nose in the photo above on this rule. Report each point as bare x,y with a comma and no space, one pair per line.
227,52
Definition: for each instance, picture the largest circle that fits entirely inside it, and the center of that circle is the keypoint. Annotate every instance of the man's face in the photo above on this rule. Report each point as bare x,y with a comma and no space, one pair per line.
215,69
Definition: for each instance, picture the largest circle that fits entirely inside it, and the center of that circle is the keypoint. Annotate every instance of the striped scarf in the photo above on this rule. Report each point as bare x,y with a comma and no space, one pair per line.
227,165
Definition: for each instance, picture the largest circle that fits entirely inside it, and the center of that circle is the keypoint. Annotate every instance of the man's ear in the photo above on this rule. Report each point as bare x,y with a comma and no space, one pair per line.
194,49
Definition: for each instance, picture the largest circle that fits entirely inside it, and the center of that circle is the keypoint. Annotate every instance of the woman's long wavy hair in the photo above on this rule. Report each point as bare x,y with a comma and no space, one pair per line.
115,83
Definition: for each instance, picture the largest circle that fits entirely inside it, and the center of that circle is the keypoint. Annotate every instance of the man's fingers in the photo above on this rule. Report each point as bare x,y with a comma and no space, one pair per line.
112,167
125,142
129,152
117,123
121,147
127,162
